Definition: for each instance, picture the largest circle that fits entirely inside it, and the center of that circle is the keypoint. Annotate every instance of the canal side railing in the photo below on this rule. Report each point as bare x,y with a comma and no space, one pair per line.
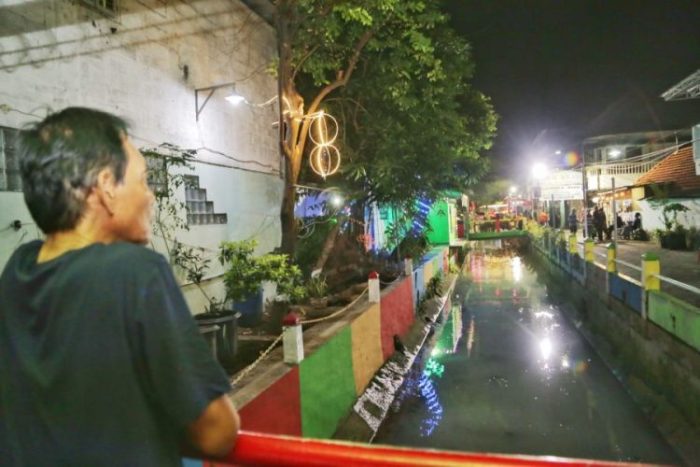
639,289
261,449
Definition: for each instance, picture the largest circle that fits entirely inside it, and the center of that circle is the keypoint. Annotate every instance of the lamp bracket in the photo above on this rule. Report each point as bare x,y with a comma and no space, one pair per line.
210,90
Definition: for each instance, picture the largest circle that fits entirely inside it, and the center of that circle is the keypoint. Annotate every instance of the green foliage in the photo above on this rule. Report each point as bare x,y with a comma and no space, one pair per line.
435,286
414,246
317,287
245,272
639,235
309,246
165,166
191,260
670,214
425,125
490,191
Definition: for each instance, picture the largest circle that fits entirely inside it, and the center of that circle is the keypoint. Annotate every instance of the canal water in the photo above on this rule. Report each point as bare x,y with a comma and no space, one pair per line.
510,374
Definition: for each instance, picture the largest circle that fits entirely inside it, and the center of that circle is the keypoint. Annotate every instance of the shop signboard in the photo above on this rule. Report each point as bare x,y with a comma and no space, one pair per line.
562,185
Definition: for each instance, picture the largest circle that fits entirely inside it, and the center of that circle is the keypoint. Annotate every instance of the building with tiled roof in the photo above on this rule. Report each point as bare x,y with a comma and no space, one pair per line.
673,177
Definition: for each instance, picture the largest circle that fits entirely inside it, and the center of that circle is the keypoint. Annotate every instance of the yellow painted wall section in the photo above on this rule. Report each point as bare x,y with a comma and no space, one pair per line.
366,347
427,272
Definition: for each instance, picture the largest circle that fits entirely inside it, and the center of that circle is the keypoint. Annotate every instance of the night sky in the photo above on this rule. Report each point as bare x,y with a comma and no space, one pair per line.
562,70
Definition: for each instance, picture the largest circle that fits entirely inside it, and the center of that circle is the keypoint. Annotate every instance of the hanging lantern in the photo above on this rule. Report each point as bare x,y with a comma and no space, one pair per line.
325,160
325,157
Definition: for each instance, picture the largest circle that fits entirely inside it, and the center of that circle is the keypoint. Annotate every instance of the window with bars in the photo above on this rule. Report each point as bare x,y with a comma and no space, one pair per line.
10,178
108,7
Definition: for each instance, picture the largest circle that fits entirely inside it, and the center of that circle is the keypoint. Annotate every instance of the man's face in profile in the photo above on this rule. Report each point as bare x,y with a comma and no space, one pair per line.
133,200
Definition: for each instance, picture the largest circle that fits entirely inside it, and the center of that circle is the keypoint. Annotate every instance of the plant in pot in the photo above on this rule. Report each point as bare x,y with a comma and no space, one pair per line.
245,274
218,320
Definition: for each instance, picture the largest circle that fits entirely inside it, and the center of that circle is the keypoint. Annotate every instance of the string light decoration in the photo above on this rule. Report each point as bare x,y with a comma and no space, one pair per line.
325,157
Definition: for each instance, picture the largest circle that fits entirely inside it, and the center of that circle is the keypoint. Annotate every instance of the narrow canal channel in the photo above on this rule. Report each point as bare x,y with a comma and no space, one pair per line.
510,374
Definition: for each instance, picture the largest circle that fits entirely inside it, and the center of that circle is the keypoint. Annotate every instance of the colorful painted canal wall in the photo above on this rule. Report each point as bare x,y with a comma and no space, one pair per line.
312,398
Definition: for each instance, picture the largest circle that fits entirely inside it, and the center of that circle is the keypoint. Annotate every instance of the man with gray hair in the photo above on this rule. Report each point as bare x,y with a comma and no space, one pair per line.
101,362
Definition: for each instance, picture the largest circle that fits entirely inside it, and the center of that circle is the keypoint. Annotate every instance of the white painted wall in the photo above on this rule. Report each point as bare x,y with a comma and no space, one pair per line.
652,217
133,65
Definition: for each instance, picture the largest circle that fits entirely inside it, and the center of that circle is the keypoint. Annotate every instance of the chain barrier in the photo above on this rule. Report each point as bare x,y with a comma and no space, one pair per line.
267,351
336,313
250,367
392,282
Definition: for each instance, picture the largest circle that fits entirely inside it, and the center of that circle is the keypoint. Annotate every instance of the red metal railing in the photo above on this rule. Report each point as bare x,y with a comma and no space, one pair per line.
263,449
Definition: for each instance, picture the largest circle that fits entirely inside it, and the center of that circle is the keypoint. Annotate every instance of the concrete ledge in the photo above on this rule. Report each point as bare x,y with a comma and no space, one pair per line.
370,409
658,371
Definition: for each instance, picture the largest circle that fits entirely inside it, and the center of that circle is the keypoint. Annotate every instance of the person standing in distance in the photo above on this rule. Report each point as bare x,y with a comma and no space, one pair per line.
101,362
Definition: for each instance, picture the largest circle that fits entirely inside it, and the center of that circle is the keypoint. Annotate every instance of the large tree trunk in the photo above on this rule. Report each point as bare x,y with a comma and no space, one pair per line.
294,119
289,226
328,245
285,30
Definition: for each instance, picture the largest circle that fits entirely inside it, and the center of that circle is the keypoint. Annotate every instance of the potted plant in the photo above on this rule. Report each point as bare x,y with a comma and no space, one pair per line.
217,320
245,274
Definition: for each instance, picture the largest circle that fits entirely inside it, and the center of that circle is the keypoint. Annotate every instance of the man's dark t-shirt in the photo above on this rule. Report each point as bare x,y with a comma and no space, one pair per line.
100,360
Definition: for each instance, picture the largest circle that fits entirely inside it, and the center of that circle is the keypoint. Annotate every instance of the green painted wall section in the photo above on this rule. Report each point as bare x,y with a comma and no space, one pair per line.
676,316
439,223
501,234
327,386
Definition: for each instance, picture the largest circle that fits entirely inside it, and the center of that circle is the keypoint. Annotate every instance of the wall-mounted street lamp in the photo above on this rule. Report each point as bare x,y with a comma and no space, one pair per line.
232,97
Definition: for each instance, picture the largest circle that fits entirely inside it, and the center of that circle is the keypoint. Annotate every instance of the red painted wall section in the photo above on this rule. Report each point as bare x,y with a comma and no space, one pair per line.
396,314
277,409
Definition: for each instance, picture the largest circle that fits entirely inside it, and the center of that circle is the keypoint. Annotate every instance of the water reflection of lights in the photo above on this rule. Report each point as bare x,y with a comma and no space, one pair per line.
434,368
470,336
546,348
517,267
427,391
543,314
565,362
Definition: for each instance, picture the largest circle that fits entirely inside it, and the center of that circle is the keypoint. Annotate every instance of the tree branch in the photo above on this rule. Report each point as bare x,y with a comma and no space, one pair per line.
297,67
344,75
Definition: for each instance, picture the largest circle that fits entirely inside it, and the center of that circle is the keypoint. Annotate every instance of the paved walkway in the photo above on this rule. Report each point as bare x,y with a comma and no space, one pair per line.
683,266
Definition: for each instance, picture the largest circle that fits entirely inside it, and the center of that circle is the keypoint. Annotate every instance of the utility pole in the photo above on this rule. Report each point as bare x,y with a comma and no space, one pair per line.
584,186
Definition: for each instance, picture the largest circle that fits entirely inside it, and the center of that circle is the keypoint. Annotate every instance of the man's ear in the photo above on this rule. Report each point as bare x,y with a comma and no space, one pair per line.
105,189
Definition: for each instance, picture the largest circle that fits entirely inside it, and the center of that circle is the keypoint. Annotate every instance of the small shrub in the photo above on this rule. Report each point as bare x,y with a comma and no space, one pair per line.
640,235
317,287
434,287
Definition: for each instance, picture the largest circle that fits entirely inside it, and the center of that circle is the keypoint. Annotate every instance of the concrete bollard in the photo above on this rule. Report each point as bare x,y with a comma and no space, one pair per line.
373,285
588,245
292,339
612,256
408,266
651,266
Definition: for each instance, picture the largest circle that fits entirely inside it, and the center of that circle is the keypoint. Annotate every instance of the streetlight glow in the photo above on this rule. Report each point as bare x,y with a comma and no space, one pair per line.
539,170
337,200
513,190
